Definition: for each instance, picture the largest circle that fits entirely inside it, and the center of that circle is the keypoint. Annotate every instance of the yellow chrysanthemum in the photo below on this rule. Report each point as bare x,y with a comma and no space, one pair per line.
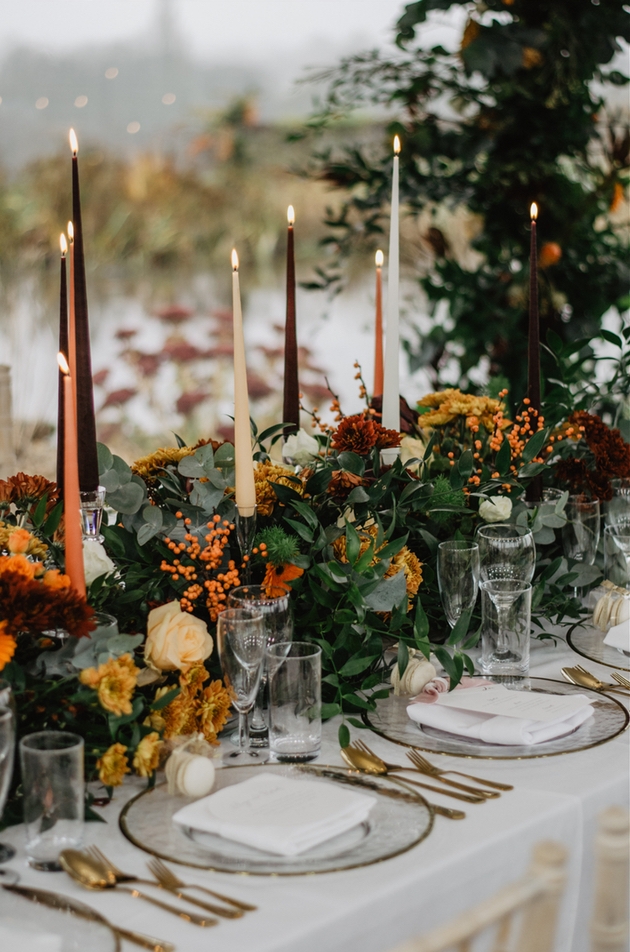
113,766
404,561
147,755
214,710
148,467
447,405
115,682
265,474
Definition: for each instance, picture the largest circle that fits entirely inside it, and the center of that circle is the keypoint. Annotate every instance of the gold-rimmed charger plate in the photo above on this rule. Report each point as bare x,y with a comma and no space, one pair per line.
589,642
399,820
610,718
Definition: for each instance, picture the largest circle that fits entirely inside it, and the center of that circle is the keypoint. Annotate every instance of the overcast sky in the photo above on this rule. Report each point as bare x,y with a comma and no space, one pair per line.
210,28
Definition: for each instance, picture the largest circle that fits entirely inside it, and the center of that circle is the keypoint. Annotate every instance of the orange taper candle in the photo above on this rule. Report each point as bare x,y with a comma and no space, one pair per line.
378,327
71,498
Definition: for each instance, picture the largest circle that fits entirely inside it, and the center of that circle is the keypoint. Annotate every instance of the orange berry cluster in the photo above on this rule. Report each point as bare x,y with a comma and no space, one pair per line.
203,561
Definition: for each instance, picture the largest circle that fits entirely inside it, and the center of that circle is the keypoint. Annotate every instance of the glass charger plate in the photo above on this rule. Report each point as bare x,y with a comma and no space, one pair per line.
589,643
399,820
68,925
609,719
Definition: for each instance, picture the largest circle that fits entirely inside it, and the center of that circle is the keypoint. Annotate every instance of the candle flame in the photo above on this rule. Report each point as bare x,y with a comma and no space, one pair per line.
63,244
291,215
234,260
396,145
379,258
70,232
533,212
63,364
74,142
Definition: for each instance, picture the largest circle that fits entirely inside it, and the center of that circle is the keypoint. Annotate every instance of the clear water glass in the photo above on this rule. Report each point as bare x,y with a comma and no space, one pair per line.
618,508
53,784
617,553
295,701
580,535
7,755
241,644
506,552
278,625
458,577
505,626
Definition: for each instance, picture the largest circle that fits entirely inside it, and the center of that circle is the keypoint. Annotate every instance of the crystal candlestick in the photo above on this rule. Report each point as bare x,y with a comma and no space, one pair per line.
246,533
92,504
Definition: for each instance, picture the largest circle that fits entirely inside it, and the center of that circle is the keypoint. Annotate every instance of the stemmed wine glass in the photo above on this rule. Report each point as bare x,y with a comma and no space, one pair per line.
278,626
241,644
580,535
507,557
618,508
7,749
617,540
458,577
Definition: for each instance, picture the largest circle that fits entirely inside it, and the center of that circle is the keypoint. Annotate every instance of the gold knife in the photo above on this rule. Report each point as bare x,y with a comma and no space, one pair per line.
81,911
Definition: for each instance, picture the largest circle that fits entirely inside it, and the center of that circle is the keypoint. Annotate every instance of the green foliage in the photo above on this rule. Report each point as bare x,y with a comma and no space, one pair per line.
513,116
281,547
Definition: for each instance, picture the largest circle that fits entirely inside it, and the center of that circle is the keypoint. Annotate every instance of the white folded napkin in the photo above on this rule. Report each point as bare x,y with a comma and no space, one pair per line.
497,728
276,814
24,937
619,636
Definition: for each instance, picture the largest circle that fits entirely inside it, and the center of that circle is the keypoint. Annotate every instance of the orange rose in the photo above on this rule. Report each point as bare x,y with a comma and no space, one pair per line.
18,541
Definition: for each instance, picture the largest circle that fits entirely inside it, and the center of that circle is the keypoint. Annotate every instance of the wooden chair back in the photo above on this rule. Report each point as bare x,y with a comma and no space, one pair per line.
521,917
609,924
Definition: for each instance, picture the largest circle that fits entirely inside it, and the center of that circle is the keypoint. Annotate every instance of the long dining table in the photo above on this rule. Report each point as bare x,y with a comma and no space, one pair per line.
372,909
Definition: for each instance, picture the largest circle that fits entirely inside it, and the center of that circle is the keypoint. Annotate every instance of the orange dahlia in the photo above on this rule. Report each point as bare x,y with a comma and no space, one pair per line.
277,576
7,645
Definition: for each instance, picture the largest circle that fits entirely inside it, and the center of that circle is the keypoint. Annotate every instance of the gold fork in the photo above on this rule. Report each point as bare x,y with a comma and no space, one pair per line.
424,766
621,679
475,791
129,878
166,876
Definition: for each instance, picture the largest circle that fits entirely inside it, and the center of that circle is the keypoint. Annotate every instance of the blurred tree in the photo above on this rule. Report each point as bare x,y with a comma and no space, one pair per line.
516,115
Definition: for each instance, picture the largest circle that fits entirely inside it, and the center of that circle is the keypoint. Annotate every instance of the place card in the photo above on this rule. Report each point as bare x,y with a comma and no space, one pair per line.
619,636
495,700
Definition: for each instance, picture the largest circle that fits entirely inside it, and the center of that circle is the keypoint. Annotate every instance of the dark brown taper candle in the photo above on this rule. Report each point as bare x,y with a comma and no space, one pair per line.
291,404
378,328
534,490
63,347
86,423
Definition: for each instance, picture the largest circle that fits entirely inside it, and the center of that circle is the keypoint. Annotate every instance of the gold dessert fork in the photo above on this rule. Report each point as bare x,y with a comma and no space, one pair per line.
121,877
621,679
423,765
168,878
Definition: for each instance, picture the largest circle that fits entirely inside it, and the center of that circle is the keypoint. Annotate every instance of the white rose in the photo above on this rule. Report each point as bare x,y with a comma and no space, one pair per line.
175,639
301,447
96,561
497,509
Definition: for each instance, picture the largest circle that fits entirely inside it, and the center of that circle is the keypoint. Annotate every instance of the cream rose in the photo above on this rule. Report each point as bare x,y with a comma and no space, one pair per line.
497,509
96,561
175,639
301,448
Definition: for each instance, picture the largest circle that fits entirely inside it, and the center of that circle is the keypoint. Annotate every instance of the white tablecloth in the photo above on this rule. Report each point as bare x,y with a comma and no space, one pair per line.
373,909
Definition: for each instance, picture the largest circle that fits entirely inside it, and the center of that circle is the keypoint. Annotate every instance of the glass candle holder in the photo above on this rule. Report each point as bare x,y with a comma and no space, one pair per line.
92,504
53,784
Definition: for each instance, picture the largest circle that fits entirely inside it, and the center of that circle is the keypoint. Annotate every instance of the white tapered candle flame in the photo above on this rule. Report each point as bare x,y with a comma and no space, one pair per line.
74,142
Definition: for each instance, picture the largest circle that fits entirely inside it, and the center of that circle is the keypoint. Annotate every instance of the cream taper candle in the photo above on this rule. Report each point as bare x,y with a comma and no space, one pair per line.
391,383
245,487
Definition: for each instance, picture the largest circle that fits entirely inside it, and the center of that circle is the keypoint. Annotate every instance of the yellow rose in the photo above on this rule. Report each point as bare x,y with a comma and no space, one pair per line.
175,639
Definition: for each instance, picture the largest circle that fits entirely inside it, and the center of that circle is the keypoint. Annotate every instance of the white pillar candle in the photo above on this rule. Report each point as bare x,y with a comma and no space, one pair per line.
391,383
244,463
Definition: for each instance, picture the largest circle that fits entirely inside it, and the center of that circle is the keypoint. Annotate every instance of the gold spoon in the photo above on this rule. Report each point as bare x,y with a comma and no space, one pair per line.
86,871
583,678
358,760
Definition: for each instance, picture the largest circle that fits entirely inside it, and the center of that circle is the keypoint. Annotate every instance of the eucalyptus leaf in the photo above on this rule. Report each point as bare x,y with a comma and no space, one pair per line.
127,499
389,593
105,459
